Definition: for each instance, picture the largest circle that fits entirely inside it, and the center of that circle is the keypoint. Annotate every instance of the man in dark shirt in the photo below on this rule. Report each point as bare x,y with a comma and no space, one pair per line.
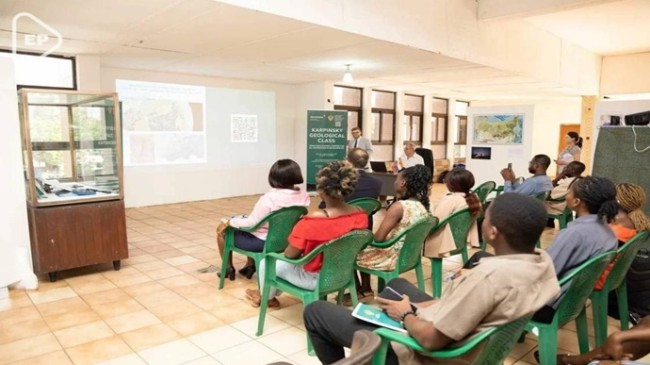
368,186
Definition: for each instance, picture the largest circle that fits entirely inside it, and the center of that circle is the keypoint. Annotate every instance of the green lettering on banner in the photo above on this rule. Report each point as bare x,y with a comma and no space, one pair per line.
326,139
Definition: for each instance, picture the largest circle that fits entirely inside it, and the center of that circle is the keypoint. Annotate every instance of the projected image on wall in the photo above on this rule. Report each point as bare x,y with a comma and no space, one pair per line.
162,123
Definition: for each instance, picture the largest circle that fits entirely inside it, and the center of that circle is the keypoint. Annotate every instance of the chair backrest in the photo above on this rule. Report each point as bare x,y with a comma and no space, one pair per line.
370,205
543,196
581,283
483,190
427,156
339,256
411,252
364,346
499,344
281,223
625,256
460,222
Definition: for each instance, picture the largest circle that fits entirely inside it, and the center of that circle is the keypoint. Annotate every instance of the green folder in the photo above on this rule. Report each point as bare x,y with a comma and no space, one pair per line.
377,316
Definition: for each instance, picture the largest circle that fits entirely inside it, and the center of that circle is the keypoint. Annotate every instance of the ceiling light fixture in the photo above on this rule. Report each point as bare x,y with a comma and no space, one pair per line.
347,76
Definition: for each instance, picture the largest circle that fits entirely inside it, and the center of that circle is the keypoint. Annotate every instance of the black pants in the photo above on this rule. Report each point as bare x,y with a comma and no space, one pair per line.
331,327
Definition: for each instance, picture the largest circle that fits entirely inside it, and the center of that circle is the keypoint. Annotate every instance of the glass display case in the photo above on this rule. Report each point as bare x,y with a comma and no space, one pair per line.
72,156
71,146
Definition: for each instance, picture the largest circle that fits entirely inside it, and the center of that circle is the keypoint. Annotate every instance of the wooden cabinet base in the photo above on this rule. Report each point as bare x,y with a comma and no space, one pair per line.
72,236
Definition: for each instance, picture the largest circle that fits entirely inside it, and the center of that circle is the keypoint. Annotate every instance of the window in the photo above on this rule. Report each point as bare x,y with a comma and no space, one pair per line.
51,72
439,117
383,117
412,125
349,99
461,122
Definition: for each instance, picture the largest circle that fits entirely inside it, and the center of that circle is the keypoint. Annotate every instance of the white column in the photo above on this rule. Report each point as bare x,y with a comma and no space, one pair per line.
14,230
451,131
367,122
426,120
88,73
399,124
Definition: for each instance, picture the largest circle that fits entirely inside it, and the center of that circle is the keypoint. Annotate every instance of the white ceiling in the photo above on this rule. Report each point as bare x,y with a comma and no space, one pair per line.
204,37
618,27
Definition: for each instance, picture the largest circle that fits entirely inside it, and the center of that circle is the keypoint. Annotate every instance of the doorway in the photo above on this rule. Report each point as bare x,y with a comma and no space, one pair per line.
564,130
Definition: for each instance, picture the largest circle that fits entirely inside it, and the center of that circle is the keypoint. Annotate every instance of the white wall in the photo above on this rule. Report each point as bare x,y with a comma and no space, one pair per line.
625,74
152,185
548,115
620,108
14,231
517,154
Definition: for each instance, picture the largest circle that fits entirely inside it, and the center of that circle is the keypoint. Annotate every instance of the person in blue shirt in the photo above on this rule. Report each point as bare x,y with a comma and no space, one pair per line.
537,184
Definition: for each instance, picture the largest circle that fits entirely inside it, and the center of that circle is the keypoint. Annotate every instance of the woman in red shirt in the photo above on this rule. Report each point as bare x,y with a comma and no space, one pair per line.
334,182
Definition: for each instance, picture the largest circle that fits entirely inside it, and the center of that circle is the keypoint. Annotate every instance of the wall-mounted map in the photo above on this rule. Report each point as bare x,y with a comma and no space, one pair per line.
498,129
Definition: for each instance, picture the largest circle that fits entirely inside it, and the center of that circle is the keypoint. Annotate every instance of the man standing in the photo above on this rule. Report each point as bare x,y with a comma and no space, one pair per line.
537,184
359,142
409,158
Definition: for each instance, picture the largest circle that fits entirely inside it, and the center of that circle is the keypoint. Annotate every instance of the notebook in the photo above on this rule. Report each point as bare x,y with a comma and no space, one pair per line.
378,166
376,316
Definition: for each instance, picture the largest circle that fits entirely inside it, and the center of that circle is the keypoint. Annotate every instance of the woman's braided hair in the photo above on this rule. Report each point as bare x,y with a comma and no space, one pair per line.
418,184
631,198
337,179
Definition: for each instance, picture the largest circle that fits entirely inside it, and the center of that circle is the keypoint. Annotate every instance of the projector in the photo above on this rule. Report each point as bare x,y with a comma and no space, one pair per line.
642,118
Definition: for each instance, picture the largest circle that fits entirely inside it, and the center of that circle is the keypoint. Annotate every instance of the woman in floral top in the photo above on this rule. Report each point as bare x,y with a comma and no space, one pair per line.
412,187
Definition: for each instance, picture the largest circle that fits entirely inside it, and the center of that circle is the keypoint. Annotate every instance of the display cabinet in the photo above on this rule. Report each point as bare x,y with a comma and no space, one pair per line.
73,172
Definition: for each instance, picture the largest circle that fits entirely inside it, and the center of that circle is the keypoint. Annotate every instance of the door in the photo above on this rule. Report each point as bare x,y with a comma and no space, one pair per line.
564,130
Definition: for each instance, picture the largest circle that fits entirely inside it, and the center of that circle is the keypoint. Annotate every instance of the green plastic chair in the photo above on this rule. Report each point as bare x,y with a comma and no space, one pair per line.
335,275
483,190
616,281
581,283
409,257
563,218
280,223
542,196
498,340
460,222
370,205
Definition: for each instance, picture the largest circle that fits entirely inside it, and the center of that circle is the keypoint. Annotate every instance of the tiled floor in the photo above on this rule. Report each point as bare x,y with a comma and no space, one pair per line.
163,308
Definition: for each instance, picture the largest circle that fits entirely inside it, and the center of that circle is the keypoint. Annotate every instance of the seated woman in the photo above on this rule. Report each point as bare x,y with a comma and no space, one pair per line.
459,182
283,178
334,182
412,187
593,199
630,218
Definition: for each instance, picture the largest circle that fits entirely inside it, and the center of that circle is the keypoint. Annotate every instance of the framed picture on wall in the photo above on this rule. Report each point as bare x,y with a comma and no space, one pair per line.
498,129
482,153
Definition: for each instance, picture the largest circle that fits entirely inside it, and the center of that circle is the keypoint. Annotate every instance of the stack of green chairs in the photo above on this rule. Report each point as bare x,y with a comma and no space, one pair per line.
460,223
280,223
616,281
335,275
581,283
498,342
409,257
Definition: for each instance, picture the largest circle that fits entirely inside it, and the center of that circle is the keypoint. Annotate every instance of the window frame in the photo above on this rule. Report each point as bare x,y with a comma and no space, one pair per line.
381,112
350,108
436,115
409,114
73,64
459,118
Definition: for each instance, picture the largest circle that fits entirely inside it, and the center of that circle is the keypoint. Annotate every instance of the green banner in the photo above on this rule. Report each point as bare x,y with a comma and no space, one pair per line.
326,139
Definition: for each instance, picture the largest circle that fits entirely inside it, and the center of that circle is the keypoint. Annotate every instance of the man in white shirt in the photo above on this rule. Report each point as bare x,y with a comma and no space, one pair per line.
409,158
359,142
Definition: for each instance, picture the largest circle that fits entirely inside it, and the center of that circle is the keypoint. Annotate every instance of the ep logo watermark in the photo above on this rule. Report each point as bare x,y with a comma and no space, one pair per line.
42,42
